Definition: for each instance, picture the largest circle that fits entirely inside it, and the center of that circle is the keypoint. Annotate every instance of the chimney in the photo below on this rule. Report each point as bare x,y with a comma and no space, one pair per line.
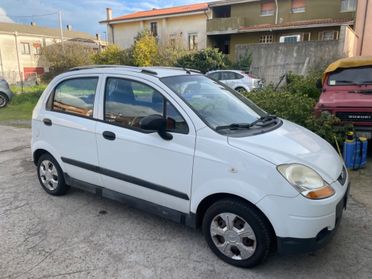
33,23
68,27
108,13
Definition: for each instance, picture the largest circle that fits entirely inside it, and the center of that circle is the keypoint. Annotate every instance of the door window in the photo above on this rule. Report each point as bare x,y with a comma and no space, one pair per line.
228,76
127,102
75,96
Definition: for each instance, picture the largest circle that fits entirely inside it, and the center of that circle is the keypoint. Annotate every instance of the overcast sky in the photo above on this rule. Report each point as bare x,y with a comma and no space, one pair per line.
83,15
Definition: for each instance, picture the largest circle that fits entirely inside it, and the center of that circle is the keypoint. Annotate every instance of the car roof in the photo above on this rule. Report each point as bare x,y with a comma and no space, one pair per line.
216,71
155,71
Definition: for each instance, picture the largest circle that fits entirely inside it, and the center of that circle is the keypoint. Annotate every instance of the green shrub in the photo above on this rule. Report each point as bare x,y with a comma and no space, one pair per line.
113,55
204,60
299,108
243,63
304,85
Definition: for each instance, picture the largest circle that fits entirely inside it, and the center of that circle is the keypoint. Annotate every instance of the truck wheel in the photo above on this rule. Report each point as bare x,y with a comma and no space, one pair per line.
51,176
3,100
237,233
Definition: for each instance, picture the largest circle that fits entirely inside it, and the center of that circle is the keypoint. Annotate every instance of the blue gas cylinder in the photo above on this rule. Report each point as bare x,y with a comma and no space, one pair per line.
363,150
349,150
358,155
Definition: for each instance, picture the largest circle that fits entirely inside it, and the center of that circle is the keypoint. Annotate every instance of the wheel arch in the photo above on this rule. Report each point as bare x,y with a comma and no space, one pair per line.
211,199
38,153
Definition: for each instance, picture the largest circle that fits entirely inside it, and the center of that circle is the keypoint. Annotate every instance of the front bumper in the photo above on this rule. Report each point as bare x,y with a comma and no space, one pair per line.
289,245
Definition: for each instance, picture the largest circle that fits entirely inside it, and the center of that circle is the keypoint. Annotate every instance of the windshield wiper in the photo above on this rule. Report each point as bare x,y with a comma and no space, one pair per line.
264,120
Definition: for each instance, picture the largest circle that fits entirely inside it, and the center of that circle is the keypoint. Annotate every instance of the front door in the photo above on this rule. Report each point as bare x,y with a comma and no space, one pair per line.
138,163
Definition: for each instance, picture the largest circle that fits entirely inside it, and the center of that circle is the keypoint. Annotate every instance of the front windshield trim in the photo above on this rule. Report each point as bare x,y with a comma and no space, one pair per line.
261,113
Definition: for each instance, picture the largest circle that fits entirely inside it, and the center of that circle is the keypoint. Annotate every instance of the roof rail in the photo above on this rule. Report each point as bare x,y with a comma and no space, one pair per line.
177,68
137,69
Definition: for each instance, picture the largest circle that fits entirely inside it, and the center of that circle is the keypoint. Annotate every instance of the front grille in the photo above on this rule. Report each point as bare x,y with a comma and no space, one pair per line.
342,178
355,116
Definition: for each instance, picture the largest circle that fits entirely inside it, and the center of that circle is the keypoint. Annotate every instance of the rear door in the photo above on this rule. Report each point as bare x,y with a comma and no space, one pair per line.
69,126
138,163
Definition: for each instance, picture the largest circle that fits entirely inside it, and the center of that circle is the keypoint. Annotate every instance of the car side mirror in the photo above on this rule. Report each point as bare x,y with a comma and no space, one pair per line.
319,84
156,123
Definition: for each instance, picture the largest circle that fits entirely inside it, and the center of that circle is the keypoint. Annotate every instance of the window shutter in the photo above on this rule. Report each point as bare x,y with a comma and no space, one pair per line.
297,4
267,6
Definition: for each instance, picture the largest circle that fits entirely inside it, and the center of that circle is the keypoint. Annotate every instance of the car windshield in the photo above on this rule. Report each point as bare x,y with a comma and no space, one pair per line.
351,76
216,104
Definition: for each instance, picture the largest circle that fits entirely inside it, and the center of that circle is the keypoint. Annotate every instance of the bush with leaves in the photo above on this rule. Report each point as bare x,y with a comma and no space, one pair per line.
113,55
204,60
299,108
63,58
145,50
298,84
243,63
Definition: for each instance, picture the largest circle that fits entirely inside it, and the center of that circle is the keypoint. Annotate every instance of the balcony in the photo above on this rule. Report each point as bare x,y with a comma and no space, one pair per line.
227,25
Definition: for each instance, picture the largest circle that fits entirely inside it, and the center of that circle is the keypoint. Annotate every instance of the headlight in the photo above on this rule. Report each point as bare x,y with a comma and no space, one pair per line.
306,181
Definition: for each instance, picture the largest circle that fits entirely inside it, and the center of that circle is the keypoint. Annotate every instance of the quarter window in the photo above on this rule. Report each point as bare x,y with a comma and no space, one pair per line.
75,96
127,102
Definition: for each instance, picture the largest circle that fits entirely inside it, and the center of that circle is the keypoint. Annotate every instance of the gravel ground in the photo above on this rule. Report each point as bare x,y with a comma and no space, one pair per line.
82,236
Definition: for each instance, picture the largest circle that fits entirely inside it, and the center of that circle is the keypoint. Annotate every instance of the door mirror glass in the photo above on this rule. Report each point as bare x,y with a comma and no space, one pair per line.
156,123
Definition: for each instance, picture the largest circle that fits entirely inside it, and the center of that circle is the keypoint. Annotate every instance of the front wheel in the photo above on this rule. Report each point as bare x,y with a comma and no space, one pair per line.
237,233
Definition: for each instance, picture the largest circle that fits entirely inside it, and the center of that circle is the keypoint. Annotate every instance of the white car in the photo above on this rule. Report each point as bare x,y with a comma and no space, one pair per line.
237,80
180,145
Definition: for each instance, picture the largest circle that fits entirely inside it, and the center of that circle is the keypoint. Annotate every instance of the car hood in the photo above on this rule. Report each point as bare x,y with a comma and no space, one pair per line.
293,144
345,99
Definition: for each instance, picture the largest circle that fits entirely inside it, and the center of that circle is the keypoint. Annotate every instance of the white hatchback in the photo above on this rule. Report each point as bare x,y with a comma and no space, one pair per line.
180,145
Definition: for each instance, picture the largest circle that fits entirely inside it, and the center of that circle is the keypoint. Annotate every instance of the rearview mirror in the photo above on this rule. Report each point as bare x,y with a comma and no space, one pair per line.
319,84
156,123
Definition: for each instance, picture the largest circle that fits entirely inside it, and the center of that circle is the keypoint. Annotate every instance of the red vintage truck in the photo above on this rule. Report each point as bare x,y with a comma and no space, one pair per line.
347,92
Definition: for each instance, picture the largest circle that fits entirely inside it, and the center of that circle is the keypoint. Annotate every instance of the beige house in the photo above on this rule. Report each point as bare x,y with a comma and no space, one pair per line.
183,25
20,48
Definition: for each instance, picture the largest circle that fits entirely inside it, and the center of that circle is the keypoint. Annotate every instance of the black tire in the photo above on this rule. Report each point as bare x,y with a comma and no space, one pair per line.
253,218
57,187
3,100
241,90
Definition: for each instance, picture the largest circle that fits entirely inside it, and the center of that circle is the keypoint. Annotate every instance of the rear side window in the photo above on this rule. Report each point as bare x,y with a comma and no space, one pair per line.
214,76
127,102
75,96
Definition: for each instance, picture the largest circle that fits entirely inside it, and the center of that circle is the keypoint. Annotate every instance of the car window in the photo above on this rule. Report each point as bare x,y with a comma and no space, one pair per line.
227,75
214,76
128,101
361,75
238,76
75,96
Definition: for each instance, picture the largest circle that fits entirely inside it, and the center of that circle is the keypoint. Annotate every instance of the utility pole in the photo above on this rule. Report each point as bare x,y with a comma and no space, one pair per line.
61,30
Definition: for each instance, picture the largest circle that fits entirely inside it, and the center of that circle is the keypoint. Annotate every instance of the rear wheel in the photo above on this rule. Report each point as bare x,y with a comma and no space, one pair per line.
3,100
241,90
237,233
51,176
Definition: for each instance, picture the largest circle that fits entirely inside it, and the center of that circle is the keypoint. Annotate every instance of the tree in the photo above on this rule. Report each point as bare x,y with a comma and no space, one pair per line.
113,55
63,58
145,50
204,60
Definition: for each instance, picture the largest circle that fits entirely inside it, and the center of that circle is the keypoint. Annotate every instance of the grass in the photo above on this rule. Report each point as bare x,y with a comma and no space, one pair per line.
20,108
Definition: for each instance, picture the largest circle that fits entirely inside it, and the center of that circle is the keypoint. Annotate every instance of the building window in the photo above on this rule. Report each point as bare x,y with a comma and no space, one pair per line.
154,28
328,35
290,38
306,37
267,8
37,47
25,48
348,5
266,39
193,41
298,6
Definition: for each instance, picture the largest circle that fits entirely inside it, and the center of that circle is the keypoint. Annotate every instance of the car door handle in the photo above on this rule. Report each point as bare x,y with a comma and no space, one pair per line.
47,122
109,135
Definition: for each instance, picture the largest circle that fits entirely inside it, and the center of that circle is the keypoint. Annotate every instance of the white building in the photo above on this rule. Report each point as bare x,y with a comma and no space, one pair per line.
20,48
186,25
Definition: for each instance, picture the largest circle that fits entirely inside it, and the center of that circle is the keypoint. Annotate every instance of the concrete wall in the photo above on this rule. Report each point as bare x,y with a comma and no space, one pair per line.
180,26
363,27
271,61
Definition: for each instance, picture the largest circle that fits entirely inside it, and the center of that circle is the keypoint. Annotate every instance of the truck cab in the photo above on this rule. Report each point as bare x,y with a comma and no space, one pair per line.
347,93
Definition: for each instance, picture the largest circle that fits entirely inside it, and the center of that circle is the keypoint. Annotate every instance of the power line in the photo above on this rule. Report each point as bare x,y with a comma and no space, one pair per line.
42,15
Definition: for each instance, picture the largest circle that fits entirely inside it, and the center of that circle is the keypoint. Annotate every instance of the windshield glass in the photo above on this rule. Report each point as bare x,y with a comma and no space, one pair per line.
362,75
216,104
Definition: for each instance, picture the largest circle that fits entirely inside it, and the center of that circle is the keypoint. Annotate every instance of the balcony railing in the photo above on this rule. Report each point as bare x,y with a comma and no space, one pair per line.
225,25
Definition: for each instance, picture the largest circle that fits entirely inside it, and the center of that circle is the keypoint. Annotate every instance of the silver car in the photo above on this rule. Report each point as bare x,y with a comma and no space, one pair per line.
237,80
6,94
